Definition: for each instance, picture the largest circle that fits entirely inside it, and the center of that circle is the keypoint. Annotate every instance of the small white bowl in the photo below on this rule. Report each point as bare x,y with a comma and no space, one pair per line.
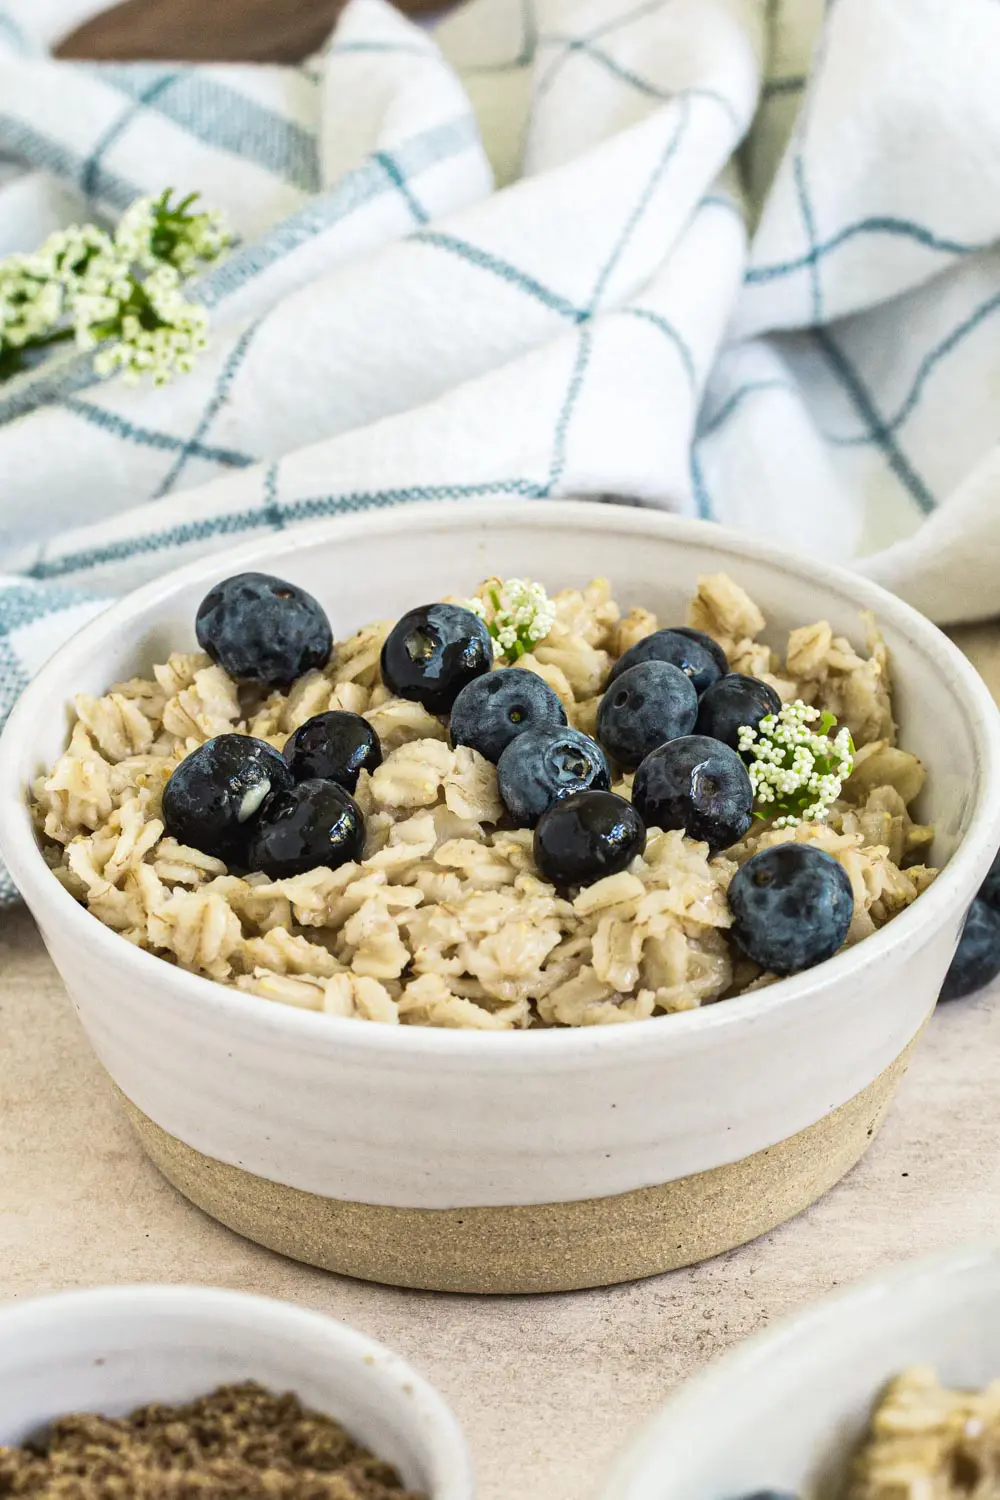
528,1161
111,1350
787,1409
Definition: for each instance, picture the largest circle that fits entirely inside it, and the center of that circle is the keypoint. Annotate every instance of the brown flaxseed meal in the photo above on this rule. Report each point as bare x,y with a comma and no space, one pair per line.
239,1443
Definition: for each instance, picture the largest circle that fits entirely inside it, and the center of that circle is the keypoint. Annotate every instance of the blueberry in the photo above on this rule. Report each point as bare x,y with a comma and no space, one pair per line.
771,1495
214,797
649,704
586,836
261,629
713,648
314,823
543,766
333,747
977,957
792,905
697,784
730,703
494,709
681,650
989,891
433,652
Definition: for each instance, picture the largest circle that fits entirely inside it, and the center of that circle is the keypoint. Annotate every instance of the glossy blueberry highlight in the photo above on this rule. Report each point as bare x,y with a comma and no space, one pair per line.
792,906
696,784
335,746
261,629
542,766
713,648
494,709
586,836
730,703
649,704
216,794
433,652
314,823
977,957
684,650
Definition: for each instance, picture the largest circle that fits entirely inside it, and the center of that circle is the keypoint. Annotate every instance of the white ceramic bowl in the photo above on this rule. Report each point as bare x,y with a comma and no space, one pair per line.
113,1349
787,1409
518,1161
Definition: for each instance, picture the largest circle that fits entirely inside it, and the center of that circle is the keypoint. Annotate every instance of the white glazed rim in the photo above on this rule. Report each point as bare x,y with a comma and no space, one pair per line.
43,892
448,1451
708,1389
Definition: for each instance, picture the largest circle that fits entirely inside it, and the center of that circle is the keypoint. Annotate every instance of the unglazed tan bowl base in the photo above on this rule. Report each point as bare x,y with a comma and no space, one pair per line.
549,1247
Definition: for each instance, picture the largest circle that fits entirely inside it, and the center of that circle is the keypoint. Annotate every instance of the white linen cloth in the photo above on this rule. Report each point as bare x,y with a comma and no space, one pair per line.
732,258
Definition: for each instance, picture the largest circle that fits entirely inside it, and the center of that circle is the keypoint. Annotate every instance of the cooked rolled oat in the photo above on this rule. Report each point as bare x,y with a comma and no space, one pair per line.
927,1442
445,921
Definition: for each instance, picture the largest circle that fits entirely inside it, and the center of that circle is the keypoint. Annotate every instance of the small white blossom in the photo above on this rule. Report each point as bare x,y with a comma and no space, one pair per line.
795,771
119,293
153,231
520,615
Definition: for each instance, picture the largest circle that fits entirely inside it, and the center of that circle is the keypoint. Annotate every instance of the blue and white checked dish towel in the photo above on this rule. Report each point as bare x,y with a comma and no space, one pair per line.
734,258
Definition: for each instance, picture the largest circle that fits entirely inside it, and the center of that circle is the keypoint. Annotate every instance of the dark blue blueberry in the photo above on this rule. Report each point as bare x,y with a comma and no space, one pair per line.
542,766
730,703
682,650
494,709
335,746
977,957
649,704
713,648
770,1495
433,652
586,836
791,905
989,891
315,823
697,784
261,629
215,796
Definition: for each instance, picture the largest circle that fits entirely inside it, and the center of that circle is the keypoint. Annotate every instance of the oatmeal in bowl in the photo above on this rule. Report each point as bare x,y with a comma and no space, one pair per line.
883,1390
502,812
485,1135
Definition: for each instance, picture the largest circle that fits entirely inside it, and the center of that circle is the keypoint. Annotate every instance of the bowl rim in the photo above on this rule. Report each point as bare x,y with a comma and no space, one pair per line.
801,1326
42,891
448,1450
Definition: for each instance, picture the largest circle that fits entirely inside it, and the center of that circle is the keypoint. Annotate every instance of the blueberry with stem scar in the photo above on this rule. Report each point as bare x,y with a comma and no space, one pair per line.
216,794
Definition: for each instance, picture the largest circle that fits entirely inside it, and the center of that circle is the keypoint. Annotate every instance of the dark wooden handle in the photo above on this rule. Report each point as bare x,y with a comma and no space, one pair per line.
213,30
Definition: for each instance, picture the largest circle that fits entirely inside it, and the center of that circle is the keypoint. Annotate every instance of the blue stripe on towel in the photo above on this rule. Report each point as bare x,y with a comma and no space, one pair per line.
925,369
879,434
876,224
263,519
223,118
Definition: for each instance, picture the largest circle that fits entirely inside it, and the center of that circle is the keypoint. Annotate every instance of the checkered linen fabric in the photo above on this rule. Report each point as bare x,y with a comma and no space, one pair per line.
732,258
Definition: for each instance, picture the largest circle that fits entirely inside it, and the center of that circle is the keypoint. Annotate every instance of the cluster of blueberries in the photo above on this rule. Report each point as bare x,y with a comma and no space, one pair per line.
671,712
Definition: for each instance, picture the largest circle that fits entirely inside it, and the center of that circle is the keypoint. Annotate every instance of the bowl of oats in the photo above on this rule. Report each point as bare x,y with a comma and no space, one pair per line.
888,1390
195,1391
503,898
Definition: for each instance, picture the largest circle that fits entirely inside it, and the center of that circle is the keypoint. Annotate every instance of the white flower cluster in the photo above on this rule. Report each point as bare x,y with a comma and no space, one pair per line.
151,231
522,615
82,285
169,348
796,772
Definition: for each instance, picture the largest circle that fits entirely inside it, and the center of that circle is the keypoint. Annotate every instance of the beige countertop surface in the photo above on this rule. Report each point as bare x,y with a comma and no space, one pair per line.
547,1388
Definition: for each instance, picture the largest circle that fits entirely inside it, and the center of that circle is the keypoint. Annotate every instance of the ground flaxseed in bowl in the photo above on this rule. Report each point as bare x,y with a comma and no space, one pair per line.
440,916
241,1442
